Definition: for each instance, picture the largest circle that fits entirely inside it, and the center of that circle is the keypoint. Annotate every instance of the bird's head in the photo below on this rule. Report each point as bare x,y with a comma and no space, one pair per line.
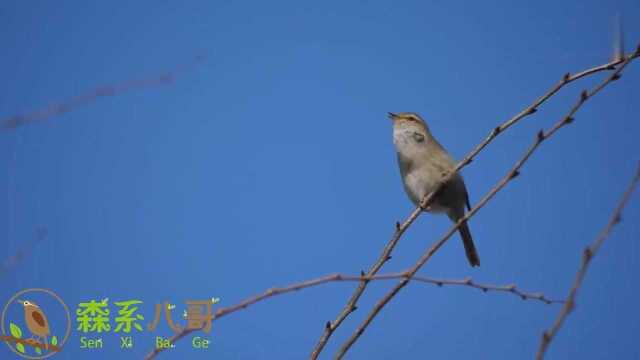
26,303
409,121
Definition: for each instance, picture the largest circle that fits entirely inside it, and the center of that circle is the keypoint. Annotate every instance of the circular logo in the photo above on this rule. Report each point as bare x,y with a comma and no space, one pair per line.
35,323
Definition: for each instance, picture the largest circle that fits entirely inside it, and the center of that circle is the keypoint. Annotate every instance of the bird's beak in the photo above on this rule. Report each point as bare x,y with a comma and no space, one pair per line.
19,301
392,116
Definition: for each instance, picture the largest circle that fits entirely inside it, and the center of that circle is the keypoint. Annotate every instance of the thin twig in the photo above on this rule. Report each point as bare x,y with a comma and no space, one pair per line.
587,256
468,282
14,260
15,121
514,172
401,228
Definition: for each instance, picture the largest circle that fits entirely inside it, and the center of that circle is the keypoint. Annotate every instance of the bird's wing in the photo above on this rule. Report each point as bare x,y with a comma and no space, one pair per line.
39,319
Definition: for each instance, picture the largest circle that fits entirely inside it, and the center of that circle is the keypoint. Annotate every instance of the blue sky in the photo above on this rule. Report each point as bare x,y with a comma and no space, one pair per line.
272,162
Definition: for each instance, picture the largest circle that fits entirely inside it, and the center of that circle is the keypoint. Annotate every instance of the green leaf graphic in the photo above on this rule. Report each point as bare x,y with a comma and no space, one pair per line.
54,340
38,351
15,330
20,347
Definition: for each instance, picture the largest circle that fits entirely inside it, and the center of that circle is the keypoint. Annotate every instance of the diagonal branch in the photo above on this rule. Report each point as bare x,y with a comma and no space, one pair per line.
401,228
15,121
14,260
468,282
541,136
587,256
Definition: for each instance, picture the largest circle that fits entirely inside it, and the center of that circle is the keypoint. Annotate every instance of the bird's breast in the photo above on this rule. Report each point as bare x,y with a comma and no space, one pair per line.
418,183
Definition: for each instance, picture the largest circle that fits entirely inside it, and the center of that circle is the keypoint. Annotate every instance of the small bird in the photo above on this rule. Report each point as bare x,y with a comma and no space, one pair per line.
36,321
423,162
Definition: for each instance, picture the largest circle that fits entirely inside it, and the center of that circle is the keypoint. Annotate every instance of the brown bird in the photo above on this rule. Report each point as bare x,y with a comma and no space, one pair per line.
423,162
36,321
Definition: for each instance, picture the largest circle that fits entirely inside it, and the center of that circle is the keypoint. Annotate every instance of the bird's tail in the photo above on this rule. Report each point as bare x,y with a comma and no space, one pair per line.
469,247
465,234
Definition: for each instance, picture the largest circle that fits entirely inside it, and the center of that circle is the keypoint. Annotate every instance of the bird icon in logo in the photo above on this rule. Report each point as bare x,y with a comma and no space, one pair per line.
36,321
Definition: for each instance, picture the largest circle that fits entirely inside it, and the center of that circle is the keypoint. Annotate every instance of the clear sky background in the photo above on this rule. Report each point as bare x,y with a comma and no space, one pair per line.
272,162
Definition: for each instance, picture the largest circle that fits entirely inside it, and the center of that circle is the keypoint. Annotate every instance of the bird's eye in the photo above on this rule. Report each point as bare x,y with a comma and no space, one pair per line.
418,137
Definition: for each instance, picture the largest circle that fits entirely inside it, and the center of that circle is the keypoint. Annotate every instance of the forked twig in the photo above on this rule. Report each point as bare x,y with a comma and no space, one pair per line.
514,172
468,282
587,255
401,228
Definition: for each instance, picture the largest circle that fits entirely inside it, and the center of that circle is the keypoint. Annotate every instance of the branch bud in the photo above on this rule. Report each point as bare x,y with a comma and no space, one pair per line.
617,219
584,95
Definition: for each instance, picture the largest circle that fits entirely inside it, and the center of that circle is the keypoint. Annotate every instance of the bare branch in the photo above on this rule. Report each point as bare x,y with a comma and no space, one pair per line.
468,282
541,136
588,254
15,121
13,261
401,228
